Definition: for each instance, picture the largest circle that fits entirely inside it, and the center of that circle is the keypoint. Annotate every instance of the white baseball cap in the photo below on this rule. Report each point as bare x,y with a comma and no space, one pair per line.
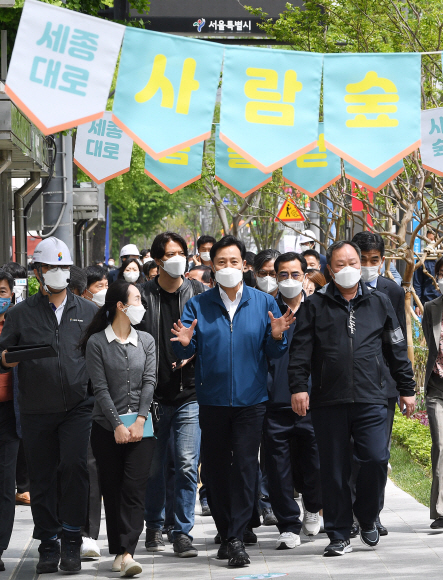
307,236
129,250
52,251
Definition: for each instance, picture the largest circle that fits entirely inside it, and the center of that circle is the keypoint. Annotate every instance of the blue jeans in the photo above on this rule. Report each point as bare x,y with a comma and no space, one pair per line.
184,423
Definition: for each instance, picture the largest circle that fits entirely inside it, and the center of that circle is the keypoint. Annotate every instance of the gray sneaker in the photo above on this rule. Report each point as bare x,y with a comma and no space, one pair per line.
183,547
154,541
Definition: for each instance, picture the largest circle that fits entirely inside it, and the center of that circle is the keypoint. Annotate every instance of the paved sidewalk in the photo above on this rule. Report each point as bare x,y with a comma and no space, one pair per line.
411,551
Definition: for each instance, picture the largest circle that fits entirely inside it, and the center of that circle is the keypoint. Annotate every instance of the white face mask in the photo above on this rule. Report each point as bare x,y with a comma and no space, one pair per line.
369,273
440,285
131,277
146,260
57,278
175,266
135,313
206,256
99,297
290,288
229,277
267,284
347,277
111,263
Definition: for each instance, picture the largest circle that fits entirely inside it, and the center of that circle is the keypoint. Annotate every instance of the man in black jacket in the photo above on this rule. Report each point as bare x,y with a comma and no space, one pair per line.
341,337
55,408
372,249
166,297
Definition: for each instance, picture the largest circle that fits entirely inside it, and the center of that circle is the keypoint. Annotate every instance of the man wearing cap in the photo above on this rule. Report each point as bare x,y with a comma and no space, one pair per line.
307,240
55,407
127,252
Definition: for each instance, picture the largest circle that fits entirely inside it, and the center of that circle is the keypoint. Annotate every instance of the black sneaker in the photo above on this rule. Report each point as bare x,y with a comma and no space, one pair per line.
249,537
217,539
2,564
269,518
355,530
369,535
222,553
237,556
337,548
380,527
171,535
183,547
70,558
154,541
206,510
166,529
437,524
49,551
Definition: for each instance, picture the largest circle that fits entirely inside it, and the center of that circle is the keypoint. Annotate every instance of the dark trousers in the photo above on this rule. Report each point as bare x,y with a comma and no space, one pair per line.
9,443
56,444
334,425
231,440
94,514
124,472
280,427
21,471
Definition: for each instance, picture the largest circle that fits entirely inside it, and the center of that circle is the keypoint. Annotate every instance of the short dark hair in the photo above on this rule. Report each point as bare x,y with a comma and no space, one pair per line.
144,252
15,269
438,265
264,256
250,257
337,246
148,266
78,279
94,274
160,241
225,242
312,253
368,241
290,257
207,271
7,276
205,240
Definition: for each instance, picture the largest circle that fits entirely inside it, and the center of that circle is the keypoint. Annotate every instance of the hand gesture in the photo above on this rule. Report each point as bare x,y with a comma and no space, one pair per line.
182,334
300,403
122,434
280,325
409,403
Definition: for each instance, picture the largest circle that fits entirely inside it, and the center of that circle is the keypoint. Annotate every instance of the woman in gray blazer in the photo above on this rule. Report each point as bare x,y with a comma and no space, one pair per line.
433,331
121,364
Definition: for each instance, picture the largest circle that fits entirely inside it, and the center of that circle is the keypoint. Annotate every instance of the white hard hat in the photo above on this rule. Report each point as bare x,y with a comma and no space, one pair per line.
307,236
52,251
129,250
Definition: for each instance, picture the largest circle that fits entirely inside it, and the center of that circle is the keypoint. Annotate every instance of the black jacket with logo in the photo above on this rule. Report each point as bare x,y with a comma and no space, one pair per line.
55,384
342,345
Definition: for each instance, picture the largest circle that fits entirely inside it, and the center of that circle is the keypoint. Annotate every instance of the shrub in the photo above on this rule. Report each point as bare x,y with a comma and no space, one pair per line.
33,285
415,437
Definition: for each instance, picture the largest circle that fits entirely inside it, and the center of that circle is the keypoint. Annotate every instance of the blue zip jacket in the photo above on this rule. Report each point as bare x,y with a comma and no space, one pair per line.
231,366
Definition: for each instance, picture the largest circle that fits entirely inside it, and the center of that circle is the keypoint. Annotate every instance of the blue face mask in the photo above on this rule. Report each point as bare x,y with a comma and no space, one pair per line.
5,303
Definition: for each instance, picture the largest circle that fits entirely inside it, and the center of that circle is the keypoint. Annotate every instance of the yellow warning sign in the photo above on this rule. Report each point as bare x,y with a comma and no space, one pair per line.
289,213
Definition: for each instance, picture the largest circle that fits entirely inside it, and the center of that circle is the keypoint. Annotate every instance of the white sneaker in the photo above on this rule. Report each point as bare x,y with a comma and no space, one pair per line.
90,548
287,541
311,523
117,564
130,568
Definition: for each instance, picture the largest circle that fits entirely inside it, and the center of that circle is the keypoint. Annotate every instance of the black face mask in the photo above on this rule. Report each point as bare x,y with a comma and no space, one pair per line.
249,279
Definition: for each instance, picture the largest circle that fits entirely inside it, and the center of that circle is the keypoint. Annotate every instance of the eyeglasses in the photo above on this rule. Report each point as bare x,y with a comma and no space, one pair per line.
263,274
286,275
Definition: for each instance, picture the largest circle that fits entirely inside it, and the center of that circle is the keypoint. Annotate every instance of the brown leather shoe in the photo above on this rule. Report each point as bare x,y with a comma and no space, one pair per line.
23,498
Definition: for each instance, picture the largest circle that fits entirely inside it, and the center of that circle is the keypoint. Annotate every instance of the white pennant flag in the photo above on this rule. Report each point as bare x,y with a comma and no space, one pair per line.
431,148
62,66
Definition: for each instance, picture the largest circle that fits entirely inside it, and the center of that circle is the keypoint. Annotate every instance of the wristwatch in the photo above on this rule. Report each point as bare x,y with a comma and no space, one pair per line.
279,337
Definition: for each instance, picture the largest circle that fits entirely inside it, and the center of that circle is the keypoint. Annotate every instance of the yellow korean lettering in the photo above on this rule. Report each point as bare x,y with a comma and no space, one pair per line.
179,158
236,161
188,85
291,86
314,159
372,103
259,88
158,81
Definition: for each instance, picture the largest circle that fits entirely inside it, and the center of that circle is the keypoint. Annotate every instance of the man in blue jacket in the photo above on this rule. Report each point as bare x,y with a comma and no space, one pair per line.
231,329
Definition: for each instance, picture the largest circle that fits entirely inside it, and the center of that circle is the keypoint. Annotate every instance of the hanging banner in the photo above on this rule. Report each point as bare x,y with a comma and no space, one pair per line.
289,212
431,149
166,89
62,66
358,205
102,150
373,183
176,170
314,172
372,108
270,104
234,171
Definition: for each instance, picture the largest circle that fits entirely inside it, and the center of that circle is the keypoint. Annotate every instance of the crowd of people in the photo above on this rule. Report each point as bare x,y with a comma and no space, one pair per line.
262,376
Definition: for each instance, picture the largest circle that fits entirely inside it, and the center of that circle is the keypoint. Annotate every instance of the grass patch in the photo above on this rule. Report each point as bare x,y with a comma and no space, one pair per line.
409,475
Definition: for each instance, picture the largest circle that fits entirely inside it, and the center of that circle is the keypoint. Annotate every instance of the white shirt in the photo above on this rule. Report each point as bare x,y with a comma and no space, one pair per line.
59,310
230,306
373,283
110,335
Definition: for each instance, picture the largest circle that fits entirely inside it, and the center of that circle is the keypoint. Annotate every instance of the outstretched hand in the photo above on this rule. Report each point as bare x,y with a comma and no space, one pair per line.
182,334
280,325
